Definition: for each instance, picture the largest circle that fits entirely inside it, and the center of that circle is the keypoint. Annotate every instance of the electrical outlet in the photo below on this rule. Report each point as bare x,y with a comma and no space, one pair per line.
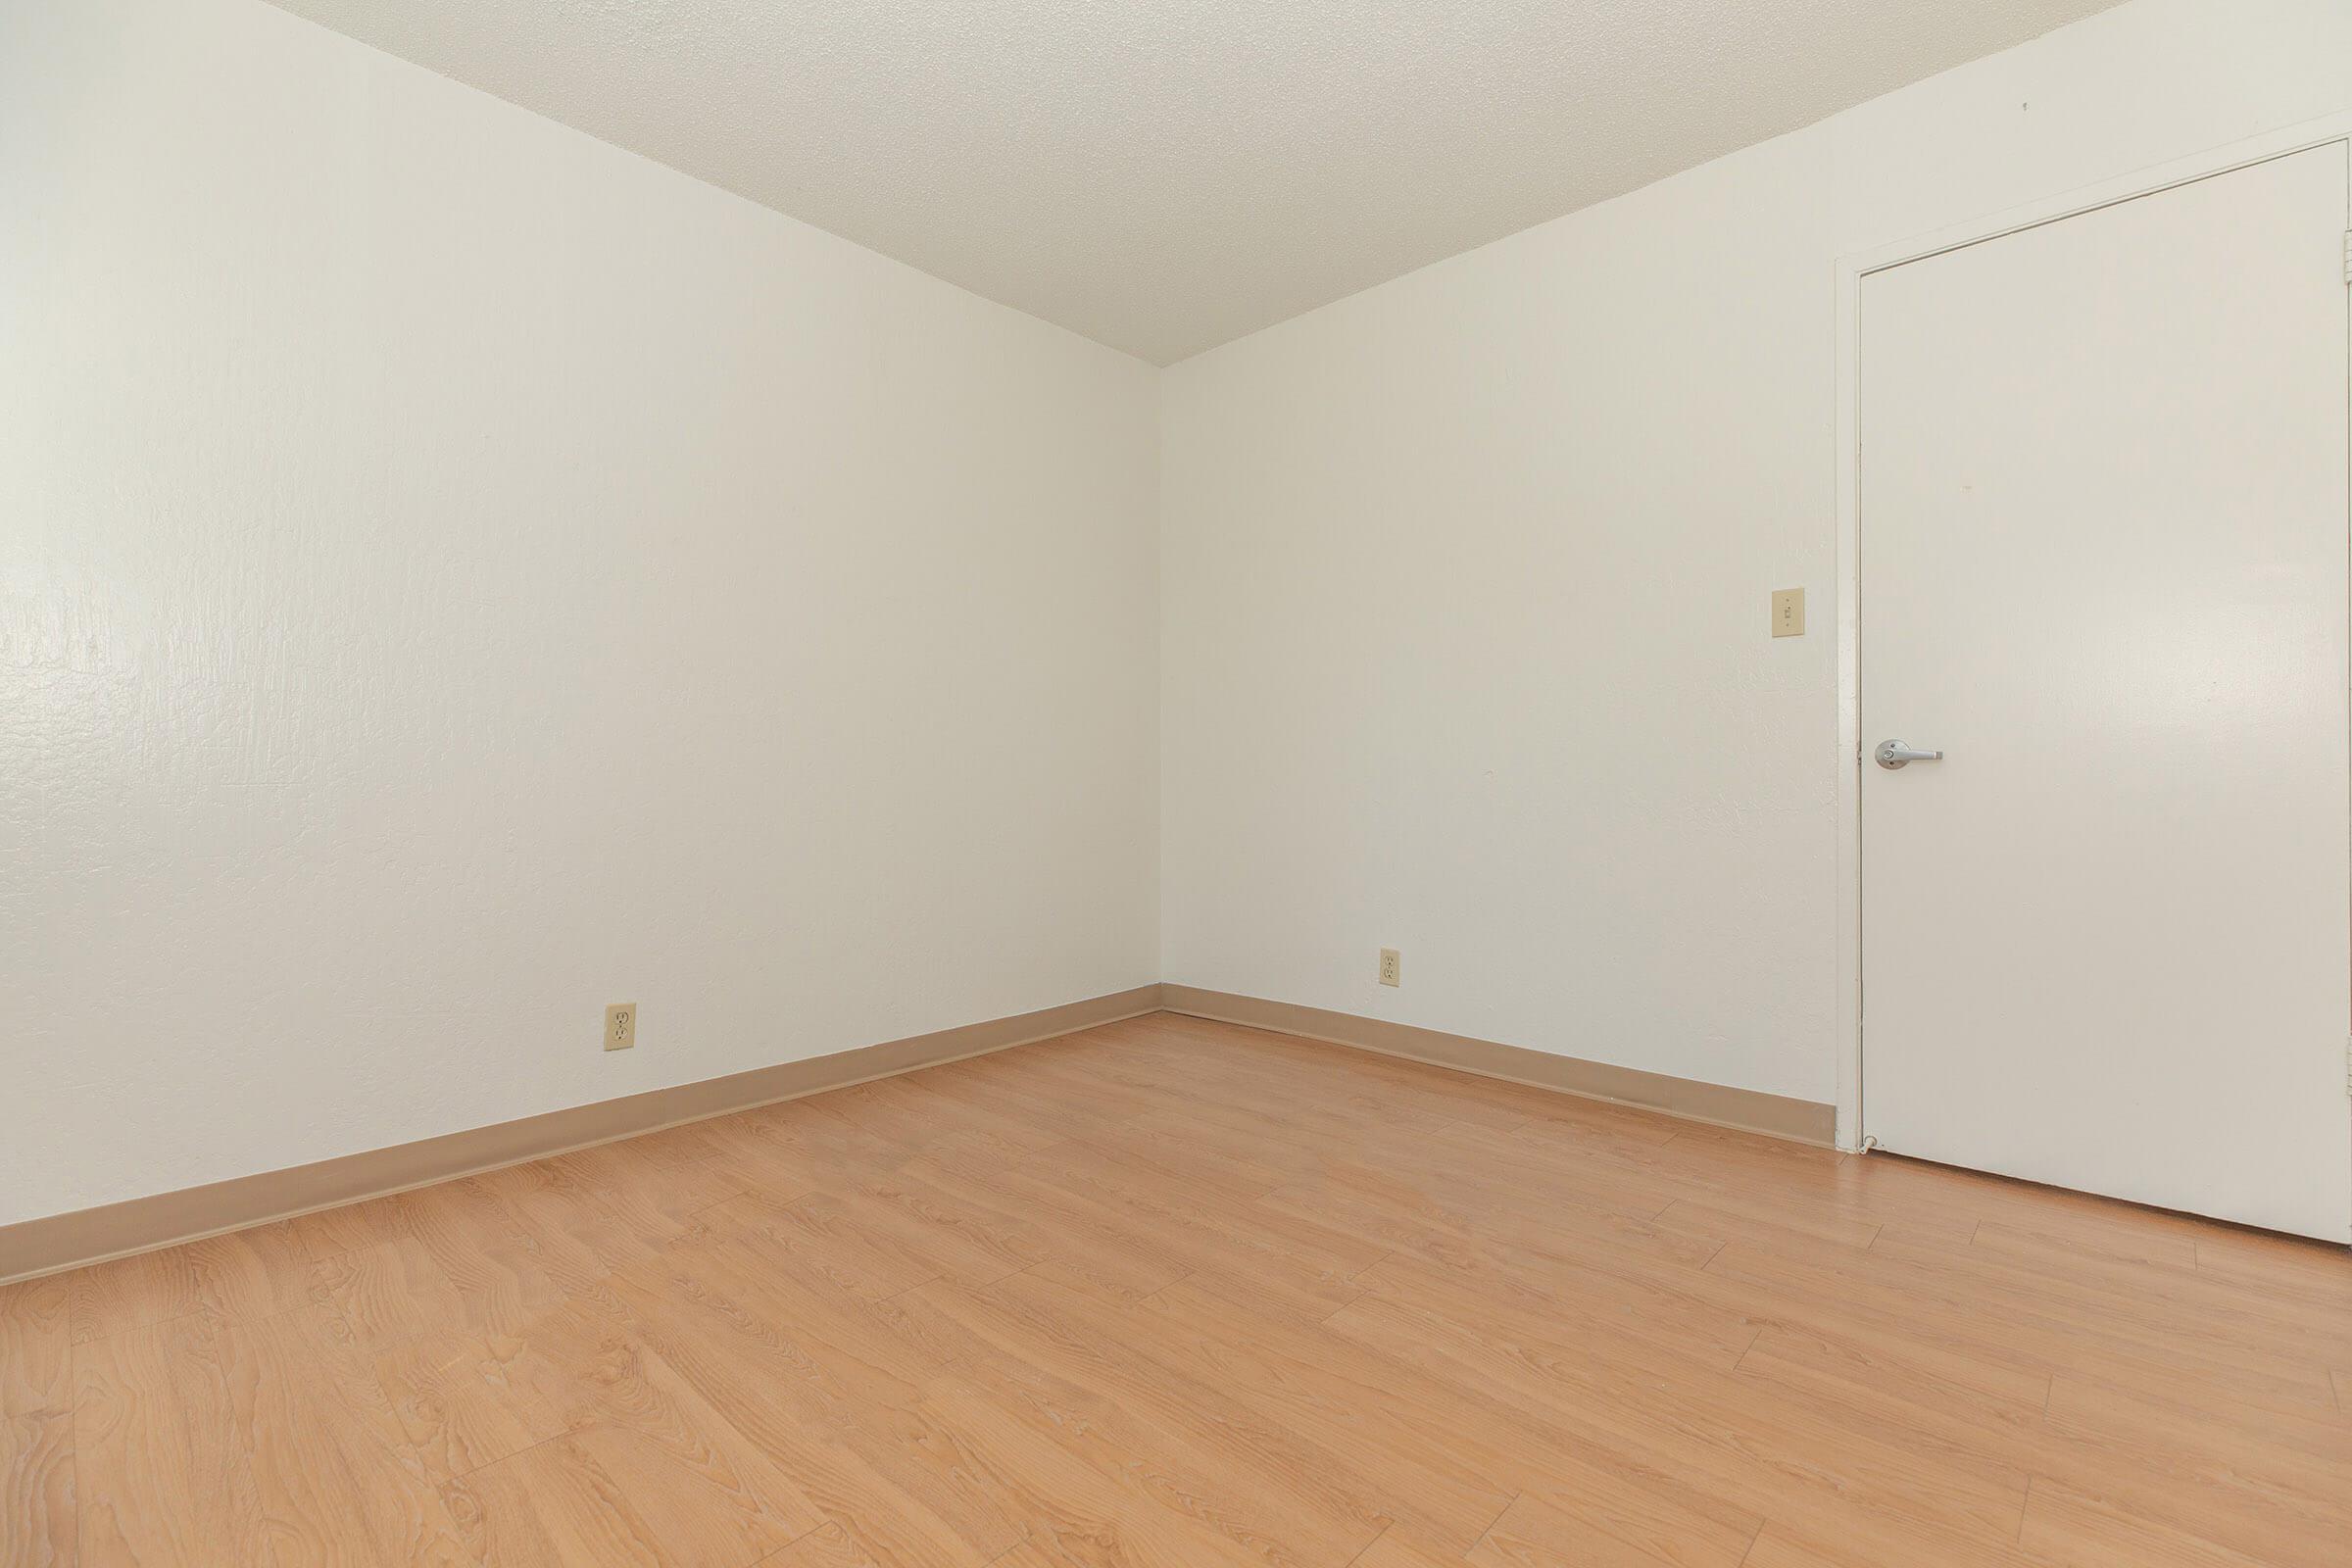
1391,967
620,1026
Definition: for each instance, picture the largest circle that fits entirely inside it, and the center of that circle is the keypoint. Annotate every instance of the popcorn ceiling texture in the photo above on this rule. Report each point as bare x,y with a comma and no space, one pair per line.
1165,176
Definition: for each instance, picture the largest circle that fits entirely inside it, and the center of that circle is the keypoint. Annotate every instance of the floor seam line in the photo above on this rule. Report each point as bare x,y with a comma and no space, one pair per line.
457,1475
1491,1523
1369,1545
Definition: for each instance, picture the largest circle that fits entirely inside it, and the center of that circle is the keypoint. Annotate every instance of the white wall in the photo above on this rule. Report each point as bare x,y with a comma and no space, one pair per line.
1464,642
455,574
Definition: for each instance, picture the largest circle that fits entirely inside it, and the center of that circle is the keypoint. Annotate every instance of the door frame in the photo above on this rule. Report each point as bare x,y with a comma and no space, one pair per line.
1852,1128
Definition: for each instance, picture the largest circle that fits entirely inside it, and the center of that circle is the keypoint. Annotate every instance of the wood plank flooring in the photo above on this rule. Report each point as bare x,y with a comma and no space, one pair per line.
1177,1295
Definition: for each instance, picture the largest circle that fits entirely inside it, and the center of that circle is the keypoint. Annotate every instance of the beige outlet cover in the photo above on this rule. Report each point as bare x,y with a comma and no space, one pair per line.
1788,612
620,1026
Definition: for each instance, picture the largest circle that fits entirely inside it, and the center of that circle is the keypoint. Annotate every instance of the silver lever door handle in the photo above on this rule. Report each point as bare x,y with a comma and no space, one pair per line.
1894,753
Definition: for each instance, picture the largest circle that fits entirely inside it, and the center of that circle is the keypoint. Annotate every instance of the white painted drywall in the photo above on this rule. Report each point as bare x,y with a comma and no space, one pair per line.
456,574
1465,577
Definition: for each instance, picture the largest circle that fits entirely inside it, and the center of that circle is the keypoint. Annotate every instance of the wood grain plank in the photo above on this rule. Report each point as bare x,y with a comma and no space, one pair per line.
162,1422
1172,1293
1087,1354
247,1274
2082,1531
1531,1534
36,1346
39,1521
1086,1486
203,1440
609,1495
466,1400
1395,1549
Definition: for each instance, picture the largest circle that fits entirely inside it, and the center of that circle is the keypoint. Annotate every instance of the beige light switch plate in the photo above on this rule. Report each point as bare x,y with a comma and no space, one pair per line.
1788,612
620,1026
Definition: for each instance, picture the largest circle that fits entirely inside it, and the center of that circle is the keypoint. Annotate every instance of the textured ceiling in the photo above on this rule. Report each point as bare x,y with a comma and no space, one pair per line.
1165,175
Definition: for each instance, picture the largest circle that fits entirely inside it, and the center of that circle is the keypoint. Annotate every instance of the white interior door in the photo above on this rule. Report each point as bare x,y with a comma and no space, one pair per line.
2105,512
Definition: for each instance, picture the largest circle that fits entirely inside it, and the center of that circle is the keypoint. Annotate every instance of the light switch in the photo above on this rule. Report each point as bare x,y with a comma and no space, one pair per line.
1788,612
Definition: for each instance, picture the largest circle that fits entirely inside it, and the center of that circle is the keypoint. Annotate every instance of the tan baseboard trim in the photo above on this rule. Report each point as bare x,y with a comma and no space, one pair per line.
58,1242
1805,1121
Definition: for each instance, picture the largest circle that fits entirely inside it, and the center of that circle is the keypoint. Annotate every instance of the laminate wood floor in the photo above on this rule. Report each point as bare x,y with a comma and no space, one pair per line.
1175,1295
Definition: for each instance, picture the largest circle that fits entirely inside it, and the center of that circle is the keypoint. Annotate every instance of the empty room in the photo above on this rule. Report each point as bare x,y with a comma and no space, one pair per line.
1180,784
